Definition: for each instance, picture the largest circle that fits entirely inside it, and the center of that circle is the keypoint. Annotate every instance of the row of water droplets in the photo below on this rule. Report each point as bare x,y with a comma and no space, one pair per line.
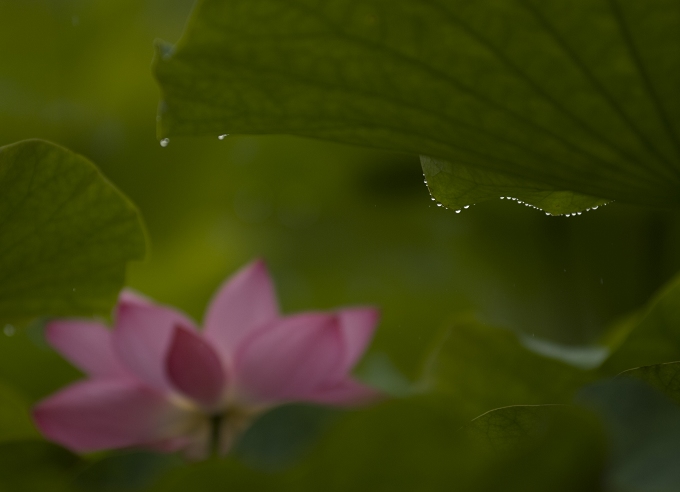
440,204
166,141
573,214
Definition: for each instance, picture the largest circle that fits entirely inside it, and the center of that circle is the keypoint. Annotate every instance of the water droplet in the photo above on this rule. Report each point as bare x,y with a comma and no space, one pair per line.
439,204
165,142
223,136
502,198
432,198
457,211
9,330
466,206
595,207
547,213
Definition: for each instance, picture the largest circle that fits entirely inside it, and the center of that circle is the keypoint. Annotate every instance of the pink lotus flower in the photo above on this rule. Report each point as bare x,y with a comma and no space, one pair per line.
155,381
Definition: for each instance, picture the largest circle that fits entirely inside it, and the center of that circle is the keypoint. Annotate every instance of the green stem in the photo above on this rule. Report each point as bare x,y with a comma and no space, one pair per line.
215,423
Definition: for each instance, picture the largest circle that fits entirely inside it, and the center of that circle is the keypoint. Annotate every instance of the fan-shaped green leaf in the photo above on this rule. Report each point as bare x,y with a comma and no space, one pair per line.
574,95
66,234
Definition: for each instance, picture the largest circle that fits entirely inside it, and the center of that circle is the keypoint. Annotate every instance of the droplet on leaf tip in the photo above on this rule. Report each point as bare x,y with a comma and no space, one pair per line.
165,142
223,136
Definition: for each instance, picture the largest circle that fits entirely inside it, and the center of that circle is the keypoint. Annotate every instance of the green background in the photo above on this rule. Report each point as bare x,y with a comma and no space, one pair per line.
337,225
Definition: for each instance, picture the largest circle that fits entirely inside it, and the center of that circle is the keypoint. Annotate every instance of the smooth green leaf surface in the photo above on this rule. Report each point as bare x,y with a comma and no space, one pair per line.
457,186
650,337
577,95
479,368
66,234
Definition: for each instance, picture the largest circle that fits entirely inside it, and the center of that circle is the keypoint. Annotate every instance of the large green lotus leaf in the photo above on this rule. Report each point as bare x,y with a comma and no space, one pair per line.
66,234
649,337
457,186
576,95
405,445
477,368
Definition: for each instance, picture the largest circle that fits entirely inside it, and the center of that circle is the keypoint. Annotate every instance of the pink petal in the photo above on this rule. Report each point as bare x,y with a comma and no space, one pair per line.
142,337
244,302
103,414
358,325
194,367
129,296
346,393
87,345
291,357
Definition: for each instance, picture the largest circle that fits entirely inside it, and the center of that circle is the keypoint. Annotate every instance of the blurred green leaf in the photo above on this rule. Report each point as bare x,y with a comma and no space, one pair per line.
409,444
664,377
125,471
478,368
539,447
649,337
67,234
15,422
458,186
572,95
282,435
503,428
29,466
644,430
413,445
